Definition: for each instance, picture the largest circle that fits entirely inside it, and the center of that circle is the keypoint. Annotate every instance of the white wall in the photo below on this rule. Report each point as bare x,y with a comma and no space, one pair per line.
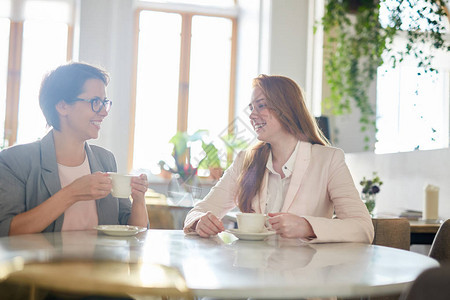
404,177
289,36
247,60
106,39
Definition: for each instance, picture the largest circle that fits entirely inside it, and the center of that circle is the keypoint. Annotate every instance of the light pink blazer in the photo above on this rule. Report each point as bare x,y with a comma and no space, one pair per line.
321,185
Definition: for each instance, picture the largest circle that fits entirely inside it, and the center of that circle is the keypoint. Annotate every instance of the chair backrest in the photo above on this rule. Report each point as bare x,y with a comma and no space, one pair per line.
440,249
395,233
431,284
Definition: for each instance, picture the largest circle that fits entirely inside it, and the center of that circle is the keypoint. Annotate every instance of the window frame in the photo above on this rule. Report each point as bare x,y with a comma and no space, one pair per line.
183,82
14,75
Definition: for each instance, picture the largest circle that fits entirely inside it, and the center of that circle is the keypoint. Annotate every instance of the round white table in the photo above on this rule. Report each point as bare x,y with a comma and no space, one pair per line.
223,266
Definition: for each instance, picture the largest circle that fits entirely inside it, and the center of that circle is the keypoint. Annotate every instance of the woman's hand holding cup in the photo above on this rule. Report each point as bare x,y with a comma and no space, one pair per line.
291,226
90,187
139,185
209,225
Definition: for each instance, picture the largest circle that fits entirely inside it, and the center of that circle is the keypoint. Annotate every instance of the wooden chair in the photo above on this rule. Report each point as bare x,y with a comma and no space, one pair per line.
433,284
158,211
440,249
395,233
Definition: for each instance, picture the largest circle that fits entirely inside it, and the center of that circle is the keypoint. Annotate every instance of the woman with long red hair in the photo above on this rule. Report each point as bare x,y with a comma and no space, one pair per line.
292,174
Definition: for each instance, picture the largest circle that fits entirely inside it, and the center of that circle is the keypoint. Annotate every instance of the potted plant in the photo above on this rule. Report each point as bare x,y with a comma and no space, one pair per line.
371,187
184,174
356,41
186,164
212,160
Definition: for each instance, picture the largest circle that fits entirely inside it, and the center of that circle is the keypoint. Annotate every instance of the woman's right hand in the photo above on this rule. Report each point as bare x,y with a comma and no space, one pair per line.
90,187
209,225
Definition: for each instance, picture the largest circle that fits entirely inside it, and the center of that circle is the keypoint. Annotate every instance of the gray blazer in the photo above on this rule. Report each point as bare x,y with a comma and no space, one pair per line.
29,176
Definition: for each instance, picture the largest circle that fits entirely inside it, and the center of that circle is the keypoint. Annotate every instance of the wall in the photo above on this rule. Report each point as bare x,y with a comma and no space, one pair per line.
289,36
106,39
404,177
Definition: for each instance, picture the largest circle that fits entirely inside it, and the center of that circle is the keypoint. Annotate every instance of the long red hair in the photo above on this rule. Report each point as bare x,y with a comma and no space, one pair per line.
285,98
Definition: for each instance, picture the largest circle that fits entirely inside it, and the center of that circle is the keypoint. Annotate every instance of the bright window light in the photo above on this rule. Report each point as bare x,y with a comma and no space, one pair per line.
157,87
412,106
412,110
209,89
214,3
4,47
55,11
44,48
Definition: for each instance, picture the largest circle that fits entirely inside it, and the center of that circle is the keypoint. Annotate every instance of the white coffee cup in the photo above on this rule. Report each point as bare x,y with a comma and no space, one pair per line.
251,222
121,185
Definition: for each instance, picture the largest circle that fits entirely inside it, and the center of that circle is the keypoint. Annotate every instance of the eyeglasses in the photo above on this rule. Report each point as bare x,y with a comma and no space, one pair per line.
257,107
97,104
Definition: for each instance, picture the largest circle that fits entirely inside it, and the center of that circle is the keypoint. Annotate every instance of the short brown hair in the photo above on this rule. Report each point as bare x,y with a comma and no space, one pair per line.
65,83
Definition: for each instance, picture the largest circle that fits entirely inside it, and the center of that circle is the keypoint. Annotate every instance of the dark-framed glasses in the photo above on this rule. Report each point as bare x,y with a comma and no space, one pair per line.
97,104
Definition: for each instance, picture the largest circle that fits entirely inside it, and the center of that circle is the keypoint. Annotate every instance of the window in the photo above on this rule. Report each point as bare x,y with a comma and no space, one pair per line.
412,106
214,3
412,109
185,66
33,41
4,42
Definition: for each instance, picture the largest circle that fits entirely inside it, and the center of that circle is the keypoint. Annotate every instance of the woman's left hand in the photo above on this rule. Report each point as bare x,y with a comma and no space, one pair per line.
139,186
291,226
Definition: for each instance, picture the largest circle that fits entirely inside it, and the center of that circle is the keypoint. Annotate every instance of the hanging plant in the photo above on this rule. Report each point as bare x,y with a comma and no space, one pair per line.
356,43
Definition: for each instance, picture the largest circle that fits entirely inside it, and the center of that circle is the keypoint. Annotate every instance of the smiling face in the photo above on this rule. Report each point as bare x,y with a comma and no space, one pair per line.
266,125
77,118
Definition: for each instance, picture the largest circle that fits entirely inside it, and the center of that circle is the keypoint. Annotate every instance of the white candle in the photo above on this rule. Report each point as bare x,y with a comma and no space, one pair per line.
431,203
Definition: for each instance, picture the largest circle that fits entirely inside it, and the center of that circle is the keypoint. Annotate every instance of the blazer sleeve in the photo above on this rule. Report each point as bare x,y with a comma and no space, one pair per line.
353,222
221,198
12,193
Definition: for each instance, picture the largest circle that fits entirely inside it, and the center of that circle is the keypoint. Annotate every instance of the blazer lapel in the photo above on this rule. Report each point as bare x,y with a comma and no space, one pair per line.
50,175
94,164
300,167
49,165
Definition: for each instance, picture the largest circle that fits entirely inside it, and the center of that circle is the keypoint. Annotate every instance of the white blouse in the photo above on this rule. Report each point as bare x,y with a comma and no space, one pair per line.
277,187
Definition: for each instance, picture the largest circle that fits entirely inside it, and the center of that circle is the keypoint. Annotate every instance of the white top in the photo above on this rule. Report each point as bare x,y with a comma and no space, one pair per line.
277,187
83,214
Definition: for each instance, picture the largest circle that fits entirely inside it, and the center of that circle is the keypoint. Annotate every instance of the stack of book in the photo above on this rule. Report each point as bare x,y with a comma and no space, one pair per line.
411,214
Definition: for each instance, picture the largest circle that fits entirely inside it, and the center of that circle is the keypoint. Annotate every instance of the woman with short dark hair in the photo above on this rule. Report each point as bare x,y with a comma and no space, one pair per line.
60,182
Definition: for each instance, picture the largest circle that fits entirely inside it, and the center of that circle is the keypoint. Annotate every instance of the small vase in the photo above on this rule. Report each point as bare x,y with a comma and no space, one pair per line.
370,202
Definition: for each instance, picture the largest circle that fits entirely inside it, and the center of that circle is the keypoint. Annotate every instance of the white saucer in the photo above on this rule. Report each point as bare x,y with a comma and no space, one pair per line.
250,236
120,230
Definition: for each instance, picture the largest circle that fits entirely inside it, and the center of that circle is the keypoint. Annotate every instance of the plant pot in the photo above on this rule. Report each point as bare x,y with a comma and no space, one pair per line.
370,202
215,173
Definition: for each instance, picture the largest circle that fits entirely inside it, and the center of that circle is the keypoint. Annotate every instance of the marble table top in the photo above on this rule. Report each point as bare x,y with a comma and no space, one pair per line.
223,266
